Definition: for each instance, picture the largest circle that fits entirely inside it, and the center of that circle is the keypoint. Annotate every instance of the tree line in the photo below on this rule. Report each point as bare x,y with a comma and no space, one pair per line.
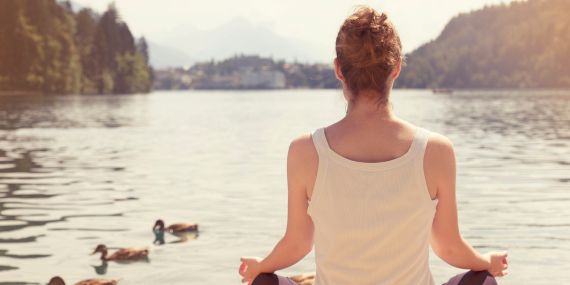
46,47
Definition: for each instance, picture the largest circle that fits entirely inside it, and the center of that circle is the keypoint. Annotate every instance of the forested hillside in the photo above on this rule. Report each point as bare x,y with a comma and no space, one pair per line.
521,45
46,47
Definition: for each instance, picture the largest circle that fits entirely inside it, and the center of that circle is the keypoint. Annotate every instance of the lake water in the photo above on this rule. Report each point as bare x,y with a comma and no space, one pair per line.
77,171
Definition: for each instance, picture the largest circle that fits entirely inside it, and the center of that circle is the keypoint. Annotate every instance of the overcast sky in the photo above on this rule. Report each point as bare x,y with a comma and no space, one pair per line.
314,21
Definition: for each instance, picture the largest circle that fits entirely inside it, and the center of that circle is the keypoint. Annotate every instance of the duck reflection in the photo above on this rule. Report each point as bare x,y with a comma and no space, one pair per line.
158,236
102,268
184,237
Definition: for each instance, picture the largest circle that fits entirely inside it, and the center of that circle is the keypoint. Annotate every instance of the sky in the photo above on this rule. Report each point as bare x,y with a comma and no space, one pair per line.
312,21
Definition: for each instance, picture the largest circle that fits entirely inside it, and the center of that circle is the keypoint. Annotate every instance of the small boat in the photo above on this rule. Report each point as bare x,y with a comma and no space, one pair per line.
59,281
125,254
442,91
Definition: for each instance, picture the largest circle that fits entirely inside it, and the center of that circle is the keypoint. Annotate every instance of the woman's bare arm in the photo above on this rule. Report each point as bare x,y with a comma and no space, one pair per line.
446,240
297,242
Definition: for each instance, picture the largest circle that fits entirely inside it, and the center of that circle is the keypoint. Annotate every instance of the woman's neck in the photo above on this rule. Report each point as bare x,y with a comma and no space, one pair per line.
368,110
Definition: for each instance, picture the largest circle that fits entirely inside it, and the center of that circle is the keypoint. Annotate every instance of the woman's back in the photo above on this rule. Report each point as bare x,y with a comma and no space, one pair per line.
372,220
363,190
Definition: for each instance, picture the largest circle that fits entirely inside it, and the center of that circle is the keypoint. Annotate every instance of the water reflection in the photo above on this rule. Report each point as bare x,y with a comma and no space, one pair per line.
184,237
39,180
19,112
544,116
158,236
102,268
4,253
6,267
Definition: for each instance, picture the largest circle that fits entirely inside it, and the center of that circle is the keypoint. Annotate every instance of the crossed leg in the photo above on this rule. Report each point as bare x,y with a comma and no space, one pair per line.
467,278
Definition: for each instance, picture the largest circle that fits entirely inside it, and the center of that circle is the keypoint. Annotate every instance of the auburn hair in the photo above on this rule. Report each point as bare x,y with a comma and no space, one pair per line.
368,48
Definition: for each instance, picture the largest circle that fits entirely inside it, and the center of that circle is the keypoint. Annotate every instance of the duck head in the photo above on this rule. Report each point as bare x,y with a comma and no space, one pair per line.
102,249
158,225
56,281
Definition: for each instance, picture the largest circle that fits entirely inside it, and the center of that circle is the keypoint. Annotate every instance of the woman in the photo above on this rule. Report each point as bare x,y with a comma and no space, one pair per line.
372,190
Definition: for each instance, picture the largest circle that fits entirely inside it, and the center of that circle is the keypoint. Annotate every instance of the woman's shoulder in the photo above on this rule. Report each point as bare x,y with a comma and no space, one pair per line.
438,142
306,146
439,149
302,159
302,146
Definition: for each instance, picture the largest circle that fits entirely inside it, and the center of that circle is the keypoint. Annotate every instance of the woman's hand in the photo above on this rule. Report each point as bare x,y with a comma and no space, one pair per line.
498,263
249,268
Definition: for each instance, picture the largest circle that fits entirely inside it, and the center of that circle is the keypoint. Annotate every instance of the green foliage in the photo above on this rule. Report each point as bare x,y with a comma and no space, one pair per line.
86,23
521,45
132,73
20,64
46,47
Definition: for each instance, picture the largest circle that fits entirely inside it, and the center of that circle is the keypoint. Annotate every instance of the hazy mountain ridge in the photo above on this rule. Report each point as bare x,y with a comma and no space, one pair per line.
520,45
238,36
162,56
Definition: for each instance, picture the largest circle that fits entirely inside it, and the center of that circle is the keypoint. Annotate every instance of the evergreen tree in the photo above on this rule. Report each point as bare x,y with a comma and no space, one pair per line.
20,67
86,21
142,47
60,67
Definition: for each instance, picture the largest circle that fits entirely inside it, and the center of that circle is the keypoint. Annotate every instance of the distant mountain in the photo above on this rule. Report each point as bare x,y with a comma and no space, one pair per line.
164,56
525,44
238,36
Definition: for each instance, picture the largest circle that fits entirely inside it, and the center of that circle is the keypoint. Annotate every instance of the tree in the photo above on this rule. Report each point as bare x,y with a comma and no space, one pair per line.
46,47
86,22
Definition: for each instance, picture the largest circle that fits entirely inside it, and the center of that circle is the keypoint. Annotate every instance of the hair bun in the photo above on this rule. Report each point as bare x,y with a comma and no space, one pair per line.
368,48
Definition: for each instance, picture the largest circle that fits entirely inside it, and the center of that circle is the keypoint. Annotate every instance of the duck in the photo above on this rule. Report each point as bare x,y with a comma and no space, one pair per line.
122,253
174,228
304,279
59,281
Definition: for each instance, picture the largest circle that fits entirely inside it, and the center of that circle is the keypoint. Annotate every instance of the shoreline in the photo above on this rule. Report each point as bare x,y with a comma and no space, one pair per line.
457,91
20,93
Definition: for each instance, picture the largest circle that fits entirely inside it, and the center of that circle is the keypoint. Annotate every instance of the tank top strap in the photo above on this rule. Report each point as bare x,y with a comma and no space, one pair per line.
320,142
422,138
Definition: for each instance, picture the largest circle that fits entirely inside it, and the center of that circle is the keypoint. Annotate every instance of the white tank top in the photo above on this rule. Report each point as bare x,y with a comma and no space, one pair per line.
372,220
